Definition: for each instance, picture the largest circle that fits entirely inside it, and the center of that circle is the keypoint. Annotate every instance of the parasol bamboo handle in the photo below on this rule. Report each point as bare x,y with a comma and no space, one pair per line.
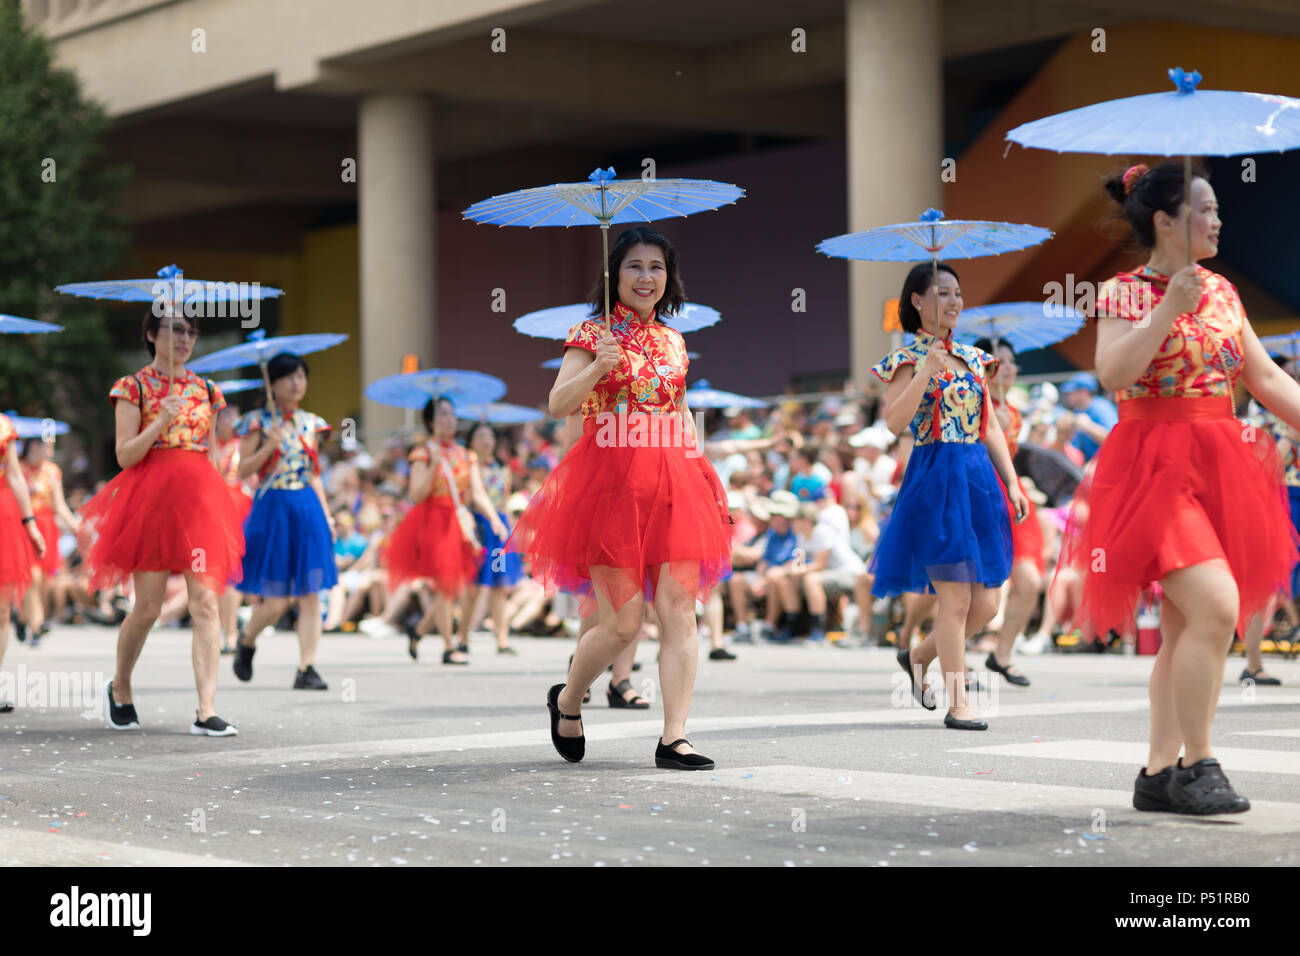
1187,195
266,381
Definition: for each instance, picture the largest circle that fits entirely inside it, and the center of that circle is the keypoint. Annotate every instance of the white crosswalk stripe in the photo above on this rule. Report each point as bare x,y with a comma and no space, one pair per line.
1135,754
972,795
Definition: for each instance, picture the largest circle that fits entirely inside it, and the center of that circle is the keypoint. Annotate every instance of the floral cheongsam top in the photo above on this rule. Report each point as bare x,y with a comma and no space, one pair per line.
1268,422
651,374
1202,355
41,482
188,430
7,434
494,481
459,461
294,463
961,414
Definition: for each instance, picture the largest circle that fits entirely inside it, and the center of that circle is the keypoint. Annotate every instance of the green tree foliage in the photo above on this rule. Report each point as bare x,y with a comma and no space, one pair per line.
56,225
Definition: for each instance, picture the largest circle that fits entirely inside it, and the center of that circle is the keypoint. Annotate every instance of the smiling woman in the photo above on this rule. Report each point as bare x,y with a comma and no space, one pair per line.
167,512
625,521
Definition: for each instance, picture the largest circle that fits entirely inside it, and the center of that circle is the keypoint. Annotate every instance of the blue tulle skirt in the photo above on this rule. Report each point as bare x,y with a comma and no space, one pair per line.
500,568
1294,494
288,548
949,523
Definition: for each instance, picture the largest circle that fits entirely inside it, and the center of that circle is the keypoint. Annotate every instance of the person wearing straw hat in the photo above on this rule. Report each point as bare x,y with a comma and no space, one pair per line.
634,512
167,512
21,543
289,532
949,532
1183,494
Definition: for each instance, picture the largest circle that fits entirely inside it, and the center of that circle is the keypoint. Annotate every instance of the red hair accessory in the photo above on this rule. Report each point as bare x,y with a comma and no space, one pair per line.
1132,175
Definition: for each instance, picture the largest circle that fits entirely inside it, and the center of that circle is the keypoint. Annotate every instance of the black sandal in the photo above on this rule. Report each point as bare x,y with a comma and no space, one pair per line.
616,698
572,749
1012,675
667,757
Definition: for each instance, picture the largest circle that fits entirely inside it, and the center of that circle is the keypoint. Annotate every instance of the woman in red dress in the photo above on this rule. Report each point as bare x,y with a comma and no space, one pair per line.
228,467
1027,564
45,483
167,512
430,544
634,512
21,544
1184,493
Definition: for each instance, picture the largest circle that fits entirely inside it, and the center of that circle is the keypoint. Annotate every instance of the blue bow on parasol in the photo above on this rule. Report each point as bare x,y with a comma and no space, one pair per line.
1023,325
498,413
1185,122
704,395
414,389
603,200
45,428
931,235
168,289
12,325
555,323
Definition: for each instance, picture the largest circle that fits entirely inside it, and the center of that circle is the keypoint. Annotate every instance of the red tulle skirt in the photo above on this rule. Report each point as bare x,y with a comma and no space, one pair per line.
612,513
17,555
169,512
243,502
429,544
1178,482
53,561
1026,536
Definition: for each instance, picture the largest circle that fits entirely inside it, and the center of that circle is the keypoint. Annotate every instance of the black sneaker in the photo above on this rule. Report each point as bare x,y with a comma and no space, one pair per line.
721,654
214,726
120,716
6,707
1150,791
244,661
308,679
1202,788
20,627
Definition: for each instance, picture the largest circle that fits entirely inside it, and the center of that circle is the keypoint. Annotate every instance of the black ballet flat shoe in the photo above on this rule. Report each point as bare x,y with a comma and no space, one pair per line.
449,658
1248,678
668,758
616,699
413,643
572,749
953,723
904,659
1012,676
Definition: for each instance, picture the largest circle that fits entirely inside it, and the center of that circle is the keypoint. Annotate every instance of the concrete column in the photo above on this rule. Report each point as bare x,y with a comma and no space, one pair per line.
396,207
894,125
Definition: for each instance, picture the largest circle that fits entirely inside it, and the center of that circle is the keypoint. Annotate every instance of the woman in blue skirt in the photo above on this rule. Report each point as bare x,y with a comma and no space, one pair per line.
498,571
949,533
289,534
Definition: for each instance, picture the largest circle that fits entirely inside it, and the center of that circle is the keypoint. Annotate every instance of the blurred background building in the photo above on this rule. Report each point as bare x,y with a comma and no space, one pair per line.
243,121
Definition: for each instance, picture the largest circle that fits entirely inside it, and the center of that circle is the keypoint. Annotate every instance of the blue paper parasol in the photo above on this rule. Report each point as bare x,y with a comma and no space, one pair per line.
169,288
704,395
1286,345
1184,123
232,386
556,322
931,235
258,349
12,325
498,413
1180,122
44,428
414,389
1023,325
603,200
